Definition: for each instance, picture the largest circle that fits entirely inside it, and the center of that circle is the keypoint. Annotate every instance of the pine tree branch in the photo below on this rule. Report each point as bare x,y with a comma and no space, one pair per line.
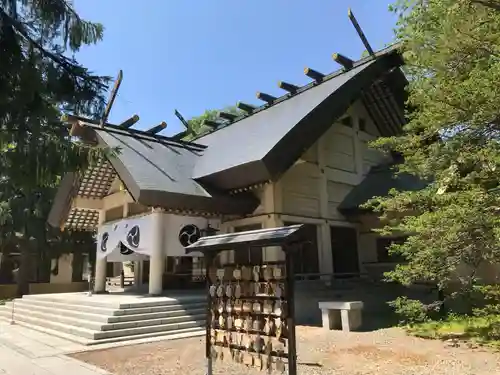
478,41
70,9
61,61
492,4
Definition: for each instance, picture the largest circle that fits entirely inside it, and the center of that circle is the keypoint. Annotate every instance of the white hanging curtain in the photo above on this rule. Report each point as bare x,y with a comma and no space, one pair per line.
123,254
127,239
137,234
108,239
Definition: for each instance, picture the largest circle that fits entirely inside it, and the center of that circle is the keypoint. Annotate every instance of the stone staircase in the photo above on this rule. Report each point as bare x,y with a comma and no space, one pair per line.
89,320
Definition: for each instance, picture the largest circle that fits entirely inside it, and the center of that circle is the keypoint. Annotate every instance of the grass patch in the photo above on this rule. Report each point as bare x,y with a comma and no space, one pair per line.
484,330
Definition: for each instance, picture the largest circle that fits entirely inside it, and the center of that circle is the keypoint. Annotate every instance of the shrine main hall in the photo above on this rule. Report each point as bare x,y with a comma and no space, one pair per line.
301,158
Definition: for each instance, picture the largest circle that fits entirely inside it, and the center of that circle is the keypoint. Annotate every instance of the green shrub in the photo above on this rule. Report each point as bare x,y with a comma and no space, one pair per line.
410,311
489,300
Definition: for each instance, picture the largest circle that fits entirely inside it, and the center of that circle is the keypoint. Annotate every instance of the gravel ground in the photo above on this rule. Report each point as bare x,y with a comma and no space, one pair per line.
387,351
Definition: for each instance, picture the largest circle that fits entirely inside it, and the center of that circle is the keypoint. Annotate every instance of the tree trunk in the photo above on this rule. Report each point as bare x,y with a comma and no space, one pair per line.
6,266
442,298
44,260
43,266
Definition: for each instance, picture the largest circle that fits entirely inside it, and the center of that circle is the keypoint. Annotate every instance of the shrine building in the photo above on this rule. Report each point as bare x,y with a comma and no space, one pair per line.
302,158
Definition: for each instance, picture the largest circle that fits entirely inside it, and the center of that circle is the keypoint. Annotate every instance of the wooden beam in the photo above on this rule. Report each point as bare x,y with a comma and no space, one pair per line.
314,74
112,97
182,119
211,124
158,128
346,62
287,86
87,203
248,108
227,116
135,133
265,97
129,122
79,130
76,130
179,136
360,32
117,199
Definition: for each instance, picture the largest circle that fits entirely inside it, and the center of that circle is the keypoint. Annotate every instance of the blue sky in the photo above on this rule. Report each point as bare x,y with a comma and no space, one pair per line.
193,55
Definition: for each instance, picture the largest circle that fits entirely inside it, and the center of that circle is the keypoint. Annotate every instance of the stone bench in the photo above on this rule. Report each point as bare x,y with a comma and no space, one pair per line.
345,315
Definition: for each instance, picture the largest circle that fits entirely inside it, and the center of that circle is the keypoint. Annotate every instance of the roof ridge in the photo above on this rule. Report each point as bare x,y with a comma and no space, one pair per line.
385,51
133,133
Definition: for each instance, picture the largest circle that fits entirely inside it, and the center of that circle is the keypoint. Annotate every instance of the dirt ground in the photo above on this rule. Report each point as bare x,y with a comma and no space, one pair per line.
387,351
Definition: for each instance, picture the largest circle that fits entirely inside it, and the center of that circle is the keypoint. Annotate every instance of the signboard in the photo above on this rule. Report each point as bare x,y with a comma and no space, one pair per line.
249,320
250,310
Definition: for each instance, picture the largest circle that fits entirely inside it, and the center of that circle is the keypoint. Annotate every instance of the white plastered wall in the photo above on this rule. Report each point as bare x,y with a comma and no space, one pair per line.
314,187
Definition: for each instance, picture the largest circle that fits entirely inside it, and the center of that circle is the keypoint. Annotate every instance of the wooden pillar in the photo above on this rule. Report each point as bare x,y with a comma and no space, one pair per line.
137,274
358,143
274,253
325,256
157,258
227,256
358,157
272,201
100,263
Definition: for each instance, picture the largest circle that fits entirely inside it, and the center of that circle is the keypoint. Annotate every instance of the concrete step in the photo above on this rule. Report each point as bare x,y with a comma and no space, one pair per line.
107,319
200,317
95,301
56,326
128,340
177,334
104,315
198,324
158,309
163,313
93,334
183,301
62,317
97,310
88,301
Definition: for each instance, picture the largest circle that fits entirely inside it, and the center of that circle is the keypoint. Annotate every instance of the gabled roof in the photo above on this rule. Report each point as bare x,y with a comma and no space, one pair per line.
157,173
377,183
155,170
161,171
264,145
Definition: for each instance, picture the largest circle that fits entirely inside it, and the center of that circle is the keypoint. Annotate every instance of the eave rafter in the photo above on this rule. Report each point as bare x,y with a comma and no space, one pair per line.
82,219
248,188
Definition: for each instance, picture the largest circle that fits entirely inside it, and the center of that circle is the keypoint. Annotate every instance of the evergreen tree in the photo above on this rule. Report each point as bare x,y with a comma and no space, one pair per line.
452,53
196,126
39,79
